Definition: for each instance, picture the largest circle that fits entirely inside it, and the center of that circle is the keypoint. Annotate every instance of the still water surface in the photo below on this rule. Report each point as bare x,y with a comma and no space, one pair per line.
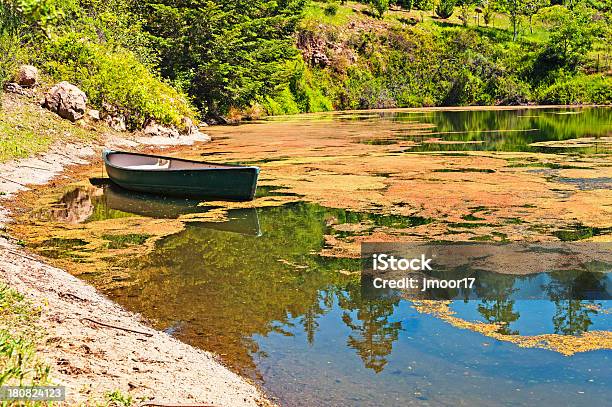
255,290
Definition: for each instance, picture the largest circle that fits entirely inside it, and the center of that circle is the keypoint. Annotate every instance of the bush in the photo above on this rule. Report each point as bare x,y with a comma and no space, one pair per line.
512,91
10,52
282,103
445,8
583,89
331,9
116,77
379,7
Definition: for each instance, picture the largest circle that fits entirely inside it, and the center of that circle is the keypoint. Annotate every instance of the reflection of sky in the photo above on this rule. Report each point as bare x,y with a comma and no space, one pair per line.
536,316
431,362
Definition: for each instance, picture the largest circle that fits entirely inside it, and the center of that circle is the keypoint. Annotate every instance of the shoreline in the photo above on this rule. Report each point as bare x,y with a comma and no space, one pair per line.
93,345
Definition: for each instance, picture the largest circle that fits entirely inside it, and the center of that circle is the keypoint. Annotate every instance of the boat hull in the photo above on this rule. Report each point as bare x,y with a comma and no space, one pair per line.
230,183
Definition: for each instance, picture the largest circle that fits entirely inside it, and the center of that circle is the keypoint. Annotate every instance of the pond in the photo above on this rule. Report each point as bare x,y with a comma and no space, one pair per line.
274,287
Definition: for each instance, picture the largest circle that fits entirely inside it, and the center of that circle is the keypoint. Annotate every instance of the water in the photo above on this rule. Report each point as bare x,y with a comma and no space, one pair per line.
498,130
256,290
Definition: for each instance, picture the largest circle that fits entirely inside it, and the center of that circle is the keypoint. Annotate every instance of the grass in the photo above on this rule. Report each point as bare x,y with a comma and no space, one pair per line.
117,398
19,337
27,129
315,11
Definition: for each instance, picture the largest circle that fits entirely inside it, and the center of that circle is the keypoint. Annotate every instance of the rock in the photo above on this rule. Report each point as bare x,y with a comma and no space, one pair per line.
116,123
94,114
188,125
13,87
155,129
66,100
27,76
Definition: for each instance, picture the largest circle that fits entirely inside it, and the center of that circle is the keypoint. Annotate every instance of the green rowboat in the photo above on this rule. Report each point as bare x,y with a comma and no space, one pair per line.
177,177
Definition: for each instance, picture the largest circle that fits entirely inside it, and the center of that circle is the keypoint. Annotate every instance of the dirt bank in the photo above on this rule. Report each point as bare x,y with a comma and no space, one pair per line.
94,346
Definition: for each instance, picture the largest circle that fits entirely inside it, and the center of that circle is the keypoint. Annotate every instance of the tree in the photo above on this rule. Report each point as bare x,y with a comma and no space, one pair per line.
572,33
514,9
464,11
531,8
223,53
445,8
424,5
487,7
379,7
405,4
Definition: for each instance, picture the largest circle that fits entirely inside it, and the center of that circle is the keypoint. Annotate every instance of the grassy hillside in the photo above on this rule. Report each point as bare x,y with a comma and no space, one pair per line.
353,60
166,60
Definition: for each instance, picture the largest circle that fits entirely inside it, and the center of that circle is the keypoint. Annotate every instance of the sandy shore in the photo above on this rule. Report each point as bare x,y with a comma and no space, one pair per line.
93,345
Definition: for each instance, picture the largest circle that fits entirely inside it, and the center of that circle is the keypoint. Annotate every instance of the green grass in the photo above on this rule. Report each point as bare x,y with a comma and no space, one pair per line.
27,129
117,398
315,12
19,337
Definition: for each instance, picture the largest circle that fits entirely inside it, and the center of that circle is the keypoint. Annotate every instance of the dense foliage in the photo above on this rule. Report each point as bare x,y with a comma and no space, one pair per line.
291,56
97,45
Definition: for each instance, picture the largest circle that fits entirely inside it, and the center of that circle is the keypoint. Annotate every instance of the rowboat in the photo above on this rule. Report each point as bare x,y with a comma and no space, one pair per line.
183,178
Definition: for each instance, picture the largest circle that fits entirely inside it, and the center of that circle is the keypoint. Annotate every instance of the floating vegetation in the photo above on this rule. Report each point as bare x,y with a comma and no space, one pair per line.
554,166
483,170
123,241
580,232
467,225
471,217
379,142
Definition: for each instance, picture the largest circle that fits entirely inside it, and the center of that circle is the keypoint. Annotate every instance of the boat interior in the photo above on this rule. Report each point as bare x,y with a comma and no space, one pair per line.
141,162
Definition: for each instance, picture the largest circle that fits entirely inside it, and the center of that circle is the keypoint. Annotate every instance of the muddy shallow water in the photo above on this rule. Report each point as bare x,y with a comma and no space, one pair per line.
273,286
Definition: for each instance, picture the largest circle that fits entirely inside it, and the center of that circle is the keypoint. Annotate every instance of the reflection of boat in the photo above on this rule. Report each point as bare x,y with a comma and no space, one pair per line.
178,177
149,205
244,221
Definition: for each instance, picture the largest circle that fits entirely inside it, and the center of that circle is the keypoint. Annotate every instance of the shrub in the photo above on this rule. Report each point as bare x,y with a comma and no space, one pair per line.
512,91
379,7
582,89
445,8
116,77
331,9
282,103
11,56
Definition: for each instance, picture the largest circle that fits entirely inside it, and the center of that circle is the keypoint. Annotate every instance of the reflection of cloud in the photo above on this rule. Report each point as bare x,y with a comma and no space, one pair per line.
566,345
76,206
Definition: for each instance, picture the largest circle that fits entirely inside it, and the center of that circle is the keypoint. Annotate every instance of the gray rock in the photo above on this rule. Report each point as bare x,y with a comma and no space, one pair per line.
66,100
13,87
94,114
154,129
27,76
116,123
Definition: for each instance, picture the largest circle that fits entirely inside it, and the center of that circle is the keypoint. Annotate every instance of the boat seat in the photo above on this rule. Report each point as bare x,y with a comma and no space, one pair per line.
161,164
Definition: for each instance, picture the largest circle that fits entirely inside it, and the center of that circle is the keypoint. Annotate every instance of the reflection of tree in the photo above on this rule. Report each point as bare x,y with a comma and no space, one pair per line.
500,312
566,289
572,317
309,319
496,306
470,125
230,288
373,334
